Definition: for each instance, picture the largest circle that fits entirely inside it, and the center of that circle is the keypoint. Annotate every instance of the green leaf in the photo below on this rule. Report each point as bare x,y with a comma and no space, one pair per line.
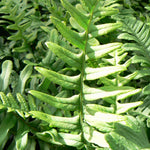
12,27
102,121
4,99
132,47
70,103
32,103
95,73
23,48
146,89
66,55
103,29
123,108
63,80
140,59
93,108
8,122
142,73
120,142
126,79
71,139
23,103
77,15
12,100
91,94
128,94
127,36
16,36
93,136
5,74
101,50
25,25
22,137
135,132
24,76
75,24
70,35
105,11
61,138
71,123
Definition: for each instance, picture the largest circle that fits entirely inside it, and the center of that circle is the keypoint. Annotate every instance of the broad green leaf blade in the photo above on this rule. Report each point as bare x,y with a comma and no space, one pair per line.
24,76
61,138
91,94
140,59
115,140
71,123
12,27
5,75
146,89
23,48
70,35
50,56
132,47
123,108
95,73
15,37
63,80
142,73
75,25
72,139
103,29
126,79
66,55
105,11
31,144
103,121
104,117
134,132
22,137
143,111
50,136
93,136
94,52
58,102
127,36
8,122
77,15
93,108
128,94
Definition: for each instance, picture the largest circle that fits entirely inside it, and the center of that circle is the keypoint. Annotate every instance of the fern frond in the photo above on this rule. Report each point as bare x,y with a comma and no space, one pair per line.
135,30
18,104
91,121
5,75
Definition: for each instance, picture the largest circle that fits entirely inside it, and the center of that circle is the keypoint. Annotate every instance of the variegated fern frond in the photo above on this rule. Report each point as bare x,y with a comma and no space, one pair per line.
89,124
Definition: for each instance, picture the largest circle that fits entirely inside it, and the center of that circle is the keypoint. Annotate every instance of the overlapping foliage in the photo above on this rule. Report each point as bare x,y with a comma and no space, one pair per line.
80,92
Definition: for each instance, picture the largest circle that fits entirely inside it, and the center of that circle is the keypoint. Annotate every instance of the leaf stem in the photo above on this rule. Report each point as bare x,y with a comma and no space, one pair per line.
82,100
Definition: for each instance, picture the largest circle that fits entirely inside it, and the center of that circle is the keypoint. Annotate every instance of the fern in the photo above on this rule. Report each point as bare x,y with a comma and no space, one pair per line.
138,32
91,122
5,74
82,87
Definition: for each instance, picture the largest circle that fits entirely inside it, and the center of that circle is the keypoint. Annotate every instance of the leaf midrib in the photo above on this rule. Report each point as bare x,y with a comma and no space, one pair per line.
81,113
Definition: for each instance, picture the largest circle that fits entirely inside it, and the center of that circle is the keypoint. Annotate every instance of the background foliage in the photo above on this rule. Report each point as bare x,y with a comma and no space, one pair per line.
74,74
